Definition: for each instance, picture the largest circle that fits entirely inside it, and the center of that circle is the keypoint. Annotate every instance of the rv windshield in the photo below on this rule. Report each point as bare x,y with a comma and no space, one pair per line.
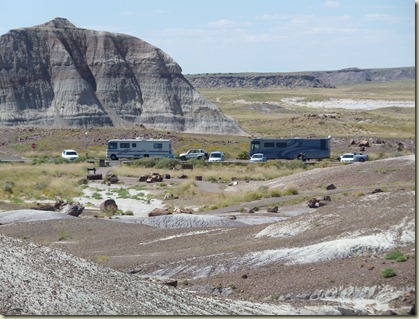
255,145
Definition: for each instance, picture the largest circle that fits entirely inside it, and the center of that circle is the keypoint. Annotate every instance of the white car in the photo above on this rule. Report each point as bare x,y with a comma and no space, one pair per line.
258,157
353,157
216,156
69,155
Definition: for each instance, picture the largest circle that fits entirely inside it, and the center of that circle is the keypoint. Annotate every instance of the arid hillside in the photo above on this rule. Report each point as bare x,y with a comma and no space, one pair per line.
331,259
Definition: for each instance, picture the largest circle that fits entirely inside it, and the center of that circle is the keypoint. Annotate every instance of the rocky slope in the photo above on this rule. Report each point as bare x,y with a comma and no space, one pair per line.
56,74
312,261
318,79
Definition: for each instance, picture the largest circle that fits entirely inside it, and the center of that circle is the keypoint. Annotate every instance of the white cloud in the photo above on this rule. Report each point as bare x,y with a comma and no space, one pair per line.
331,4
220,23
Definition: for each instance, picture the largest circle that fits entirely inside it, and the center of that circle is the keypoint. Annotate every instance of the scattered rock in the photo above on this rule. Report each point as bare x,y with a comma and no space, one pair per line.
73,209
330,187
109,206
364,143
111,178
378,190
159,212
170,282
45,207
273,209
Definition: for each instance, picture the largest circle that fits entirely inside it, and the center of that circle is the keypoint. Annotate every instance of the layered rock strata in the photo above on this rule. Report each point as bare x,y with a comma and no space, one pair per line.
58,75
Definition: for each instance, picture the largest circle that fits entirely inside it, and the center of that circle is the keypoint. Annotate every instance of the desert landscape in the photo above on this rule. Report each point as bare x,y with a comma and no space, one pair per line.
245,259
158,236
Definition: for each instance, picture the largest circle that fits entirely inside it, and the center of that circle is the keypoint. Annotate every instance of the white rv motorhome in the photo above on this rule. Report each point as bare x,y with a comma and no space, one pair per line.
138,148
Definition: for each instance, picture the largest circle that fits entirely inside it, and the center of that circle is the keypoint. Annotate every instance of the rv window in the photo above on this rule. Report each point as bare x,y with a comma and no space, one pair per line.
134,145
281,144
112,146
158,145
269,144
255,145
124,145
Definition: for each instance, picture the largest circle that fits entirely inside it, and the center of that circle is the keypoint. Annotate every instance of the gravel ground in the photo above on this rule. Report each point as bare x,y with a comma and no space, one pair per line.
299,261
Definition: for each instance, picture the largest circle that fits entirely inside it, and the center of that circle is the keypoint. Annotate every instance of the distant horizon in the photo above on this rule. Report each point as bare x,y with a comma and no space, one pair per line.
234,36
279,72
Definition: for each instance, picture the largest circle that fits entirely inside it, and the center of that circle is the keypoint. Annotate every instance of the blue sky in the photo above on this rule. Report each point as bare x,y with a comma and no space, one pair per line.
212,36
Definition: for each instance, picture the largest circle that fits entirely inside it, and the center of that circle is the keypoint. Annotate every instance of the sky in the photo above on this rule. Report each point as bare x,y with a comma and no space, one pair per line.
231,36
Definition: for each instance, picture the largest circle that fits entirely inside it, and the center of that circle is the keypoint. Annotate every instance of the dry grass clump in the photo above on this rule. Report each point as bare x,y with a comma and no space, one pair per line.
41,182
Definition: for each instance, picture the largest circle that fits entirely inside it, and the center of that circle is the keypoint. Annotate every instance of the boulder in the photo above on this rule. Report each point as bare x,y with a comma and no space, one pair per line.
330,187
111,178
109,206
73,209
273,209
248,210
364,143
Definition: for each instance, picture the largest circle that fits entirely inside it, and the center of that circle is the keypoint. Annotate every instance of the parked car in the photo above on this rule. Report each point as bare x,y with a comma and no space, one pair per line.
361,157
353,157
258,157
216,156
69,155
194,153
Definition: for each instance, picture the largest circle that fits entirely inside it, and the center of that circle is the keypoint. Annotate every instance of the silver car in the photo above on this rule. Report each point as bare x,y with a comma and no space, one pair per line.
258,157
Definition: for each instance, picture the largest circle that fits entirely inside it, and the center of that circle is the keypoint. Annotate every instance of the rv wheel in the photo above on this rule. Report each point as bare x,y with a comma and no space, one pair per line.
113,157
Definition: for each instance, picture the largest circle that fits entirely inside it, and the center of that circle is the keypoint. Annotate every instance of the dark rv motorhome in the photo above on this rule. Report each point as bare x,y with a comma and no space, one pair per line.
290,148
138,148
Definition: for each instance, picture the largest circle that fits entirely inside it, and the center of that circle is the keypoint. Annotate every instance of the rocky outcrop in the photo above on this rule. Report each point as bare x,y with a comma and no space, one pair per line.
58,75
317,79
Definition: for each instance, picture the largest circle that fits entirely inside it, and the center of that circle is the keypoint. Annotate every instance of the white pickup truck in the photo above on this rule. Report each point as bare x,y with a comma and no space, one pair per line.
194,153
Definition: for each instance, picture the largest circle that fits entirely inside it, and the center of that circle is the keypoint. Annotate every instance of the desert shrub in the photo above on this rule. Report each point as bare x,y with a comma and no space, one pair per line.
166,163
186,188
396,255
243,155
146,162
388,272
8,187
251,196
291,191
62,235
198,163
275,193
289,164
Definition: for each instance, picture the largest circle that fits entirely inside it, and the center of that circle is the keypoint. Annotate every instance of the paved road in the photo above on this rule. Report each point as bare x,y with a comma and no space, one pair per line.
12,159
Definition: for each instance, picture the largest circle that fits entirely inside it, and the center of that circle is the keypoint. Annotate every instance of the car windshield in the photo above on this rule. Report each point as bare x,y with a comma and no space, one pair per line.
71,153
257,156
348,156
216,155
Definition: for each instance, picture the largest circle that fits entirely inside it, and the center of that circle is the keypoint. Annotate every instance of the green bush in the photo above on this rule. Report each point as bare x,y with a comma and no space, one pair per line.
291,191
387,273
396,255
62,235
8,187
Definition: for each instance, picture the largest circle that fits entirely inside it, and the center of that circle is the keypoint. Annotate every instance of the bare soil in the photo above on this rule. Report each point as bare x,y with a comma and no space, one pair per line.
311,256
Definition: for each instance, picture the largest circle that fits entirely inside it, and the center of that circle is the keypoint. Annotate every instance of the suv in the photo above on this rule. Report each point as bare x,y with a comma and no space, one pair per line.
195,153
353,157
69,154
